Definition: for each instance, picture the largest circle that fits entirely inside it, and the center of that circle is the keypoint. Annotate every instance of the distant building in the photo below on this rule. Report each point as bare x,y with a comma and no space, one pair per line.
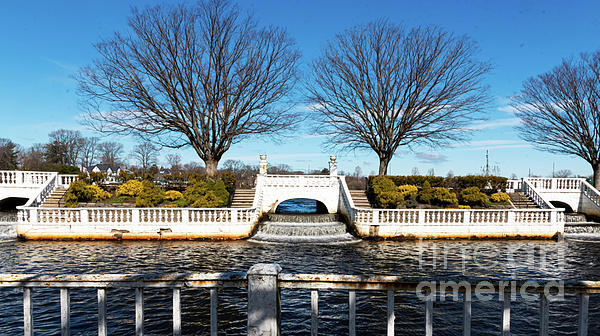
112,172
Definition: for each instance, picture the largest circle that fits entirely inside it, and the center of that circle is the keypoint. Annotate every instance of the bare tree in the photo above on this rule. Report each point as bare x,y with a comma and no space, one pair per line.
379,87
64,147
203,76
110,152
146,154
563,173
89,151
33,158
559,110
174,161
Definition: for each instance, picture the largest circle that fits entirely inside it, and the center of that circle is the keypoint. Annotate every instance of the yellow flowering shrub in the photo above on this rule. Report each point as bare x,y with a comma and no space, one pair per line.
98,193
500,198
130,188
173,195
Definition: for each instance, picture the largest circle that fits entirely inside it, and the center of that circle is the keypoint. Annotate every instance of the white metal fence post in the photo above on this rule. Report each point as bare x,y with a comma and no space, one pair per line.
263,300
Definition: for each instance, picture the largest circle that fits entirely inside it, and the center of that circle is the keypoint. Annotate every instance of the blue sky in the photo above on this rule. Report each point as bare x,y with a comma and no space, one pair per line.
45,42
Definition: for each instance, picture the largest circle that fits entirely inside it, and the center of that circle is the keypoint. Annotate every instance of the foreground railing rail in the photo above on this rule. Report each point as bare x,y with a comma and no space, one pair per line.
264,281
138,282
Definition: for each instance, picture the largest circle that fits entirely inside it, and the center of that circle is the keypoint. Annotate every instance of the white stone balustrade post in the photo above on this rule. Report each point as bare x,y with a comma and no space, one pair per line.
467,217
262,165
234,216
263,300
84,216
135,216
512,217
333,165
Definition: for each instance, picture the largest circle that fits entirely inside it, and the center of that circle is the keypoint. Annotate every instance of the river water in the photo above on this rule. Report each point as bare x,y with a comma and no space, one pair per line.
512,259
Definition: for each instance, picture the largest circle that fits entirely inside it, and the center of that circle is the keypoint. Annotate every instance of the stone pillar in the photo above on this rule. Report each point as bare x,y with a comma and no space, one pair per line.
263,300
332,165
262,164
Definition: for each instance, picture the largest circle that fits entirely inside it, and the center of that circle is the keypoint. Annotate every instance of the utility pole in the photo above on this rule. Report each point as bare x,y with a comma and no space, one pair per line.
552,169
487,163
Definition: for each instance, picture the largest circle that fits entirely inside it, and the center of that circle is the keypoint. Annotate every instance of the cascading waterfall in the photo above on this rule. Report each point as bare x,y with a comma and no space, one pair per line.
577,225
302,228
8,223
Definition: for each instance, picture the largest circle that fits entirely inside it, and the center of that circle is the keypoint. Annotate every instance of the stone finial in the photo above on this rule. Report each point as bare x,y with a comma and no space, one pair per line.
332,165
262,164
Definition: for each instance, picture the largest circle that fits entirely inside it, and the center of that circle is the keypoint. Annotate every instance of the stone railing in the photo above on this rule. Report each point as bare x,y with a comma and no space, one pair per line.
24,178
456,223
46,189
135,223
513,185
263,283
529,188
346,203
555,184
590,192
299,180
64,180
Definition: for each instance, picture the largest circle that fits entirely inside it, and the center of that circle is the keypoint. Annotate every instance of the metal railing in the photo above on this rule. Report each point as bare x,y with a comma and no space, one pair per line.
264,281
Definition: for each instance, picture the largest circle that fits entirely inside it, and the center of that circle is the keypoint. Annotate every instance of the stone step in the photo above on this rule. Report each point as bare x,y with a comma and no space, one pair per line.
359,197
242,198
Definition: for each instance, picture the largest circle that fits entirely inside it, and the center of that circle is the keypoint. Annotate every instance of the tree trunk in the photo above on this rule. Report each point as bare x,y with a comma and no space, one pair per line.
596,168
383,165
211,167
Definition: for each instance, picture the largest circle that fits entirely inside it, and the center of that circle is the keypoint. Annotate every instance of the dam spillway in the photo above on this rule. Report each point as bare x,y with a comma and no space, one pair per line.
302,228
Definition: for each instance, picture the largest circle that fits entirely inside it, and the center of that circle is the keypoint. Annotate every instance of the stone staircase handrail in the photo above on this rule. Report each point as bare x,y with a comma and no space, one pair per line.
531,191
590,192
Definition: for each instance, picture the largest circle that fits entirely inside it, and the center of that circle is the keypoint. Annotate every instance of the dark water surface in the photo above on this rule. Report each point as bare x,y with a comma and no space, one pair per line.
482,259
512,259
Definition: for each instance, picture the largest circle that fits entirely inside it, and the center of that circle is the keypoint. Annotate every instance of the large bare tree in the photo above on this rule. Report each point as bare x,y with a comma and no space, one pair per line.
379,86
559,110
64,147
146,154
110,152
204,76
89,151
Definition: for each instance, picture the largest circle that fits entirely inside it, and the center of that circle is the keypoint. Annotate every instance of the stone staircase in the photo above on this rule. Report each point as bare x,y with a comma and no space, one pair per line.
360,199
242,198
521,201
55,200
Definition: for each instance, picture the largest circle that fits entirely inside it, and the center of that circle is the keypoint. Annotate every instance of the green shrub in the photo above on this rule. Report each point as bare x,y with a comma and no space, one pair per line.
208,200
425,195
120,200
228,179
125,175
473,197
205,193
385,193
80,191
130,188
443,197
181,203
173,195
97,177
499,198
98,194
408,190
456,182
150,196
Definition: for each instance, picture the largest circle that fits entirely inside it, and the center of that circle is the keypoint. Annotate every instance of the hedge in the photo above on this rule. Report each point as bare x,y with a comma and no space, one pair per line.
456,182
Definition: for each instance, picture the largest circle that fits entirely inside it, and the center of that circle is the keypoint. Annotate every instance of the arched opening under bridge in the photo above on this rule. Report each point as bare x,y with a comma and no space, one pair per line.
301,206
559,204
11,203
